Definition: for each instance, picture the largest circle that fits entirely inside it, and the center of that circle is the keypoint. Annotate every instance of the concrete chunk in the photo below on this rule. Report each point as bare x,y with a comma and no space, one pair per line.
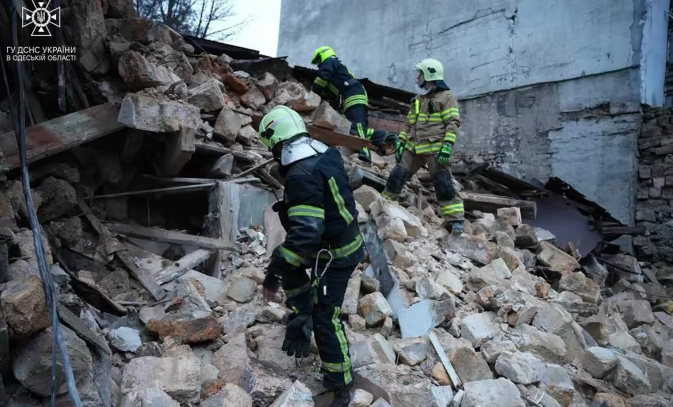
637,313
253,98
242,290
208,96
230,396
326,117
581,285
547,346
268,85
366,195
374,308
519,367
197,326
298,395
492,393
492,349
629,378
179,376
412,351
526,237
551,256
233,362
23,304
479,328
555,381
599,361
143,112
383,209
138,73
511,216
148,398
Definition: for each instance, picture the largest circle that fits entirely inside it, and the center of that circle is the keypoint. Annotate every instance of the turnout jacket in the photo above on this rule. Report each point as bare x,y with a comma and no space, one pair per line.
334,80
433,119
318,212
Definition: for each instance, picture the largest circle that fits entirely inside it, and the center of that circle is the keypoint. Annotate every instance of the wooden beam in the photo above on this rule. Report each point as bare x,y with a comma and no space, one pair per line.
624,230
81,329
255,168
170,236
220,223
180,267
491,203
141,275
60,134
179,149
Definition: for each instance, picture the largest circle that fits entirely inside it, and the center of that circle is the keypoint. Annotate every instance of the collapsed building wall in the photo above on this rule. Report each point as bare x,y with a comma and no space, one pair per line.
540,96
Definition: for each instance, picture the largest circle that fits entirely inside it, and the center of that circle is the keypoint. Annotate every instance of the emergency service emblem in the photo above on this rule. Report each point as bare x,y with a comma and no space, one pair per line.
41,17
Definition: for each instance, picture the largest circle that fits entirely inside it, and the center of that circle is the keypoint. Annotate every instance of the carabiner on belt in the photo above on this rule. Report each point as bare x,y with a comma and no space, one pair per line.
319,276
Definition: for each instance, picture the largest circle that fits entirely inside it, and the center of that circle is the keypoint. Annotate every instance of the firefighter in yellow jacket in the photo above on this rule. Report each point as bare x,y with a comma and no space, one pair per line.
428,138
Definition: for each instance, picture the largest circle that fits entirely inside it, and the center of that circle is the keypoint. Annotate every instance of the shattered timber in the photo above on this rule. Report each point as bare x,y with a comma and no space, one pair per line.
154,195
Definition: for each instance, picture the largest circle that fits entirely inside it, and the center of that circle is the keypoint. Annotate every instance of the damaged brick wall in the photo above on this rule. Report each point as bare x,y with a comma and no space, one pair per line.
654,206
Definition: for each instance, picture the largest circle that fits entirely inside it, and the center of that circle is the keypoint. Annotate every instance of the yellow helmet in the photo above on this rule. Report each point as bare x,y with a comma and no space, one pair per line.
321,54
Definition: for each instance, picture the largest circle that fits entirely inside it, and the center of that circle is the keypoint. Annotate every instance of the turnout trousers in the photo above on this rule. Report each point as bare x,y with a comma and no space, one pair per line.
328,328
450,203
357,114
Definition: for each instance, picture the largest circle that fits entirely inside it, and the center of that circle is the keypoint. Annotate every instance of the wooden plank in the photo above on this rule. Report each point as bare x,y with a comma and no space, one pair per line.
170,236
141,275
221,222
264,174
623,230
491,203
255,168
453,375
217,149
76,324
182,188
60,134
179,149
192,181
180,267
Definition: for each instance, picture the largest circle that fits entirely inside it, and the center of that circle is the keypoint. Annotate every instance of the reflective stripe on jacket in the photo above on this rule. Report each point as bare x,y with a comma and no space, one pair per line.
434,119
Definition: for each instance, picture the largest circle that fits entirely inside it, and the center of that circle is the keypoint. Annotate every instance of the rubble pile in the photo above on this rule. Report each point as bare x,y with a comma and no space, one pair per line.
160,295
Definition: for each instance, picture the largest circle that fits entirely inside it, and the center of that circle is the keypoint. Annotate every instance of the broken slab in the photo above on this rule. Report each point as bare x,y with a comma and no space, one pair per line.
179,375
154,113
560,261
374,308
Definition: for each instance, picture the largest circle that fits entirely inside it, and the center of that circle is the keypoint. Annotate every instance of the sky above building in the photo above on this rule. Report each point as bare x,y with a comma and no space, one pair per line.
261,33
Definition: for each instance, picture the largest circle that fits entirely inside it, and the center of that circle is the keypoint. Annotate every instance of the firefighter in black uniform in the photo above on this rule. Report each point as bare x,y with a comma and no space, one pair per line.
319,215
335,81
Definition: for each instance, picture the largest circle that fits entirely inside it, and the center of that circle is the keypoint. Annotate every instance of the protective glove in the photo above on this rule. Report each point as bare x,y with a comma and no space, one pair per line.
444,154
297,341
399,150
280,207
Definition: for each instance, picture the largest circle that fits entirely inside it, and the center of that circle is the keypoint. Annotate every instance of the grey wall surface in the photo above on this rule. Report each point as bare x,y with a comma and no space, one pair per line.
485,45
547,88
583,131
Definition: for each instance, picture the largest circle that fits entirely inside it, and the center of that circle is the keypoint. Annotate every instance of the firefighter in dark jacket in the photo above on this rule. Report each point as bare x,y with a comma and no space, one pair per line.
319,215
335,81
428,137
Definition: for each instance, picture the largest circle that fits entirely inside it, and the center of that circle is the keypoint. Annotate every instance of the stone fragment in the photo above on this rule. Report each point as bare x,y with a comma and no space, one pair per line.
384,209
492,393
388,327
228,125
298,395
178,375
426,288
231,395
555,258
492,349
398,254
598,362
362,213
400,385
242,290
547,346
479,328
638,312
374,308
361,398
542,290
138,73
352,296
291,94
237,84
366,195
412,351
239,318
555,381
469,365
633,274
144,112
24,307
525,237
357,323
504,240
208,96
58,198
579,284
125,339
519,367
32,363
233,362
198,326
474,248
268,85
307,103
450,281
629,378
650,341
121,9
148,397
492,274
611,399
624,341
253,98
511,216
370,284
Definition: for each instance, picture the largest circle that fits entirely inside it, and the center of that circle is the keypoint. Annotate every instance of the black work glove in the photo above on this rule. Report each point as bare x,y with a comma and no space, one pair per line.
297,341
282,214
